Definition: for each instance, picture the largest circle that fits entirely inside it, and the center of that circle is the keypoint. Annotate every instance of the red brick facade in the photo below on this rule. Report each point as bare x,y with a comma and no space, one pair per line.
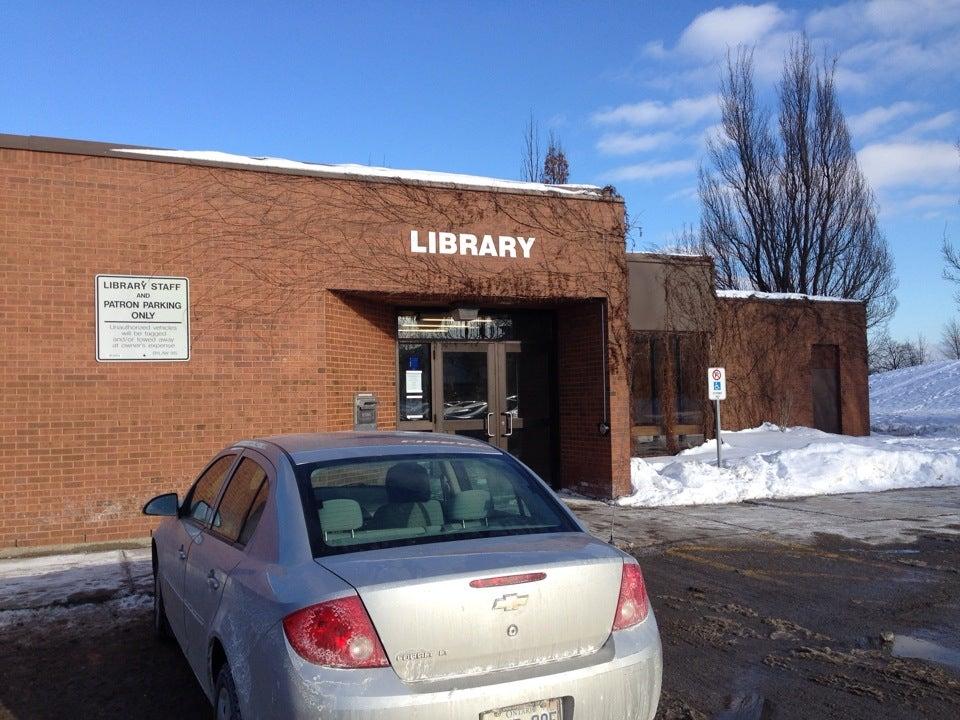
295,283
768,347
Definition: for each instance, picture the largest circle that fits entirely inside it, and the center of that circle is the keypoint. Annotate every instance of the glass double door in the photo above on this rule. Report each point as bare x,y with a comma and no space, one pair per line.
498,392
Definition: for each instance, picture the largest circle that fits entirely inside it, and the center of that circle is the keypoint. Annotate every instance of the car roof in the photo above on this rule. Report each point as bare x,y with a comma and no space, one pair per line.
317,447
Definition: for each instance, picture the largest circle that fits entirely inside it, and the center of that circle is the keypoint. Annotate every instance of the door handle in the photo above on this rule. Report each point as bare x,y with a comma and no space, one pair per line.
182,554
212,580
509,423
486,425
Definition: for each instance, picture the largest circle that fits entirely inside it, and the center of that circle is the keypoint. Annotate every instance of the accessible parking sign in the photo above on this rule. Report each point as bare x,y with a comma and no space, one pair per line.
716,383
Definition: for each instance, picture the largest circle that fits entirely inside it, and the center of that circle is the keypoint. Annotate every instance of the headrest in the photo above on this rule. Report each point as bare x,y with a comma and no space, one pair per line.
407,482
469,505
340,515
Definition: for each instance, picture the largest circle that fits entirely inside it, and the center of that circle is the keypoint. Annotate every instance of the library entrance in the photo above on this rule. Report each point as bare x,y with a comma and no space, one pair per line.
489,376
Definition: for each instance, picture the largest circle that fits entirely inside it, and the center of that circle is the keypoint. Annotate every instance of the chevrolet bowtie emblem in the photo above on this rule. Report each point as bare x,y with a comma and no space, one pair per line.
510,602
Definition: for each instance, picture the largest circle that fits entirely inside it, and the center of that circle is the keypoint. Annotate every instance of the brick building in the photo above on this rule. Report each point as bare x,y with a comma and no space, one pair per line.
158,305
790,359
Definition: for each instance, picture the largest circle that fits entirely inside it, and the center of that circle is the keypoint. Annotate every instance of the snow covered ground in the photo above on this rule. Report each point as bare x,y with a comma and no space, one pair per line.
922,400
96,589
767,463
915,416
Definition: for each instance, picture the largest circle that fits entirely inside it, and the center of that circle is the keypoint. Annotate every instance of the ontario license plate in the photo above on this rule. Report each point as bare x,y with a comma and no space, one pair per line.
540,710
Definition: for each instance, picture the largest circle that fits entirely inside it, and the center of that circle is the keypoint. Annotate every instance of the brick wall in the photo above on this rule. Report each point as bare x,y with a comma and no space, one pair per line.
281,339
766,347
591,463
360,356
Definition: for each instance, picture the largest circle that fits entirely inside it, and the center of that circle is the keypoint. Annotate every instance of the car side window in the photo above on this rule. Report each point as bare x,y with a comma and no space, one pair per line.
238,499
253,517
200,500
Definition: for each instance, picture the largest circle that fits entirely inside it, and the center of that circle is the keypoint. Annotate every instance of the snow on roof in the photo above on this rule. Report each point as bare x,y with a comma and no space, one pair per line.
672,253
364,171
757,295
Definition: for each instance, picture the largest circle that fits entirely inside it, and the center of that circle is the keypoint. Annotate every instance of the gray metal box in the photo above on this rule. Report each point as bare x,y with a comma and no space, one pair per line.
365,411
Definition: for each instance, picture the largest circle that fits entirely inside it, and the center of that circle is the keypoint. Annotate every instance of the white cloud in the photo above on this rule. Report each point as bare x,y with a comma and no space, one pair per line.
628,143
682,111
690,192
900,18
651,170
943,121
714,31
931,200
867,123
899,164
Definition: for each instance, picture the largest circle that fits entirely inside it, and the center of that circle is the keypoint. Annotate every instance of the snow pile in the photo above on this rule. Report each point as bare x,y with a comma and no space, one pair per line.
922,400
766,462
365,171
74,579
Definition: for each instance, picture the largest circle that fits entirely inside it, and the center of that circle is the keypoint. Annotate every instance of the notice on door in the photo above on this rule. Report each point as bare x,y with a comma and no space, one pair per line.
142,318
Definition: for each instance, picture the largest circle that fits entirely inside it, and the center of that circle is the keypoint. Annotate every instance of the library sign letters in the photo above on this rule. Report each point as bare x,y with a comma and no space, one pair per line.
449,243
142,318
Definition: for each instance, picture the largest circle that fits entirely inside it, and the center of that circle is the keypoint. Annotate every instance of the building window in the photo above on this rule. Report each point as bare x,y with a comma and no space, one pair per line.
413,380
442,325
667,391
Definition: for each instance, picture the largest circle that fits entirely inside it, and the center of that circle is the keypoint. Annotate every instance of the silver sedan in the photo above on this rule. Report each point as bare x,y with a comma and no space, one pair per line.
397,576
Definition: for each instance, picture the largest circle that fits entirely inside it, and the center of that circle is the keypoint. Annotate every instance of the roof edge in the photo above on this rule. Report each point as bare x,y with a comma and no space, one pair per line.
143,153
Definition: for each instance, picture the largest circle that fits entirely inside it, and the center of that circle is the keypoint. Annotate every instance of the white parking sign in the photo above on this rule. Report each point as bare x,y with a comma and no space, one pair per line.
716,383
142,318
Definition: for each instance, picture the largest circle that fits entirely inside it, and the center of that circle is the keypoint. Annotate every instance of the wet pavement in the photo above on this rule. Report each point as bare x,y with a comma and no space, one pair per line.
831,607
838,607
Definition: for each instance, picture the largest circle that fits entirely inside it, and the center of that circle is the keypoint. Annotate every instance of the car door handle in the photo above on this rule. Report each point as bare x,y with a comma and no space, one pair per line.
212,580
182,553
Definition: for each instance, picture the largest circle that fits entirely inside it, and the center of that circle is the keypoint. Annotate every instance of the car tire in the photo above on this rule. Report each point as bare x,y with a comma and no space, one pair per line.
161,625
227,706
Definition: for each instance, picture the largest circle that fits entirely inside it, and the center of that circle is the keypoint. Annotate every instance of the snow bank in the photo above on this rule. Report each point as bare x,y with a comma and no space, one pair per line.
366,171
766,462
922,400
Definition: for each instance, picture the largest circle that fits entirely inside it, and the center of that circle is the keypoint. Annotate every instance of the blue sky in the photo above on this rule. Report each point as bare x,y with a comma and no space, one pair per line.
628,86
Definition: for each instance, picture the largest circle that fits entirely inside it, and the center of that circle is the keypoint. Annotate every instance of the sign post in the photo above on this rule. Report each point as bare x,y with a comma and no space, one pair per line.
717,391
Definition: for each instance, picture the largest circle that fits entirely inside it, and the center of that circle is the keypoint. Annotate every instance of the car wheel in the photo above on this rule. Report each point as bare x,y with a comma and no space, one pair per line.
228,708
161,626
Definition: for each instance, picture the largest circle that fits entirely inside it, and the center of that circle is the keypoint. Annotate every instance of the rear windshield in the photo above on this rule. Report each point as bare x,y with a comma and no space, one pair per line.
366,503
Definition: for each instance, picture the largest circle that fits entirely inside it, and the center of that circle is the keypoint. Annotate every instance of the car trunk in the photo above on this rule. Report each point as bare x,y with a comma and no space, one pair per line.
434,625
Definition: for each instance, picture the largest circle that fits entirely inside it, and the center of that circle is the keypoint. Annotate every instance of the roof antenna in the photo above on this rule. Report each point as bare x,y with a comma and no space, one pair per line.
613,520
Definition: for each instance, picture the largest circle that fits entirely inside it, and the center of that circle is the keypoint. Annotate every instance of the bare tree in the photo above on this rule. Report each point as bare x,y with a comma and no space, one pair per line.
950,340
556,169
531,163
921,349
788,209
951,257
889,354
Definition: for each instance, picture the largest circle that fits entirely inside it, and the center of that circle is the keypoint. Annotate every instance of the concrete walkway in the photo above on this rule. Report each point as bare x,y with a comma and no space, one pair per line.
894,516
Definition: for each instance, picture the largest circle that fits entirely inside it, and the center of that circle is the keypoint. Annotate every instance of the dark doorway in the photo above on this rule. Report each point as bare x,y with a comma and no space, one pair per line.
825,377
491,378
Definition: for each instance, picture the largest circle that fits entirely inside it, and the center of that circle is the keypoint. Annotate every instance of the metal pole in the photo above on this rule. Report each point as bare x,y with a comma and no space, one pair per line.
719,441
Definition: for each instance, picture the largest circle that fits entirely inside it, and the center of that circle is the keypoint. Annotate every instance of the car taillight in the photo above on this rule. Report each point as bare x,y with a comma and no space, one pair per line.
337,633
632,606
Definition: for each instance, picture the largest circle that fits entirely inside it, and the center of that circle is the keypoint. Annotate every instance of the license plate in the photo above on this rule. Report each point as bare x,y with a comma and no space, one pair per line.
540,710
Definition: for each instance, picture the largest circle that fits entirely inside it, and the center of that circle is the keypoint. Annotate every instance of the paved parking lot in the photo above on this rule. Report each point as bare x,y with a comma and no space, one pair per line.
767,610
780,609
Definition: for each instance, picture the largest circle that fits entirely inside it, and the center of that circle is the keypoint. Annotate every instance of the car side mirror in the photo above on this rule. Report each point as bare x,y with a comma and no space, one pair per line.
165,505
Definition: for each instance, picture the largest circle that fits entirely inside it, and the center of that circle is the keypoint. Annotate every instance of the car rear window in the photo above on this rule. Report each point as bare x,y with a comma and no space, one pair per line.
362,503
